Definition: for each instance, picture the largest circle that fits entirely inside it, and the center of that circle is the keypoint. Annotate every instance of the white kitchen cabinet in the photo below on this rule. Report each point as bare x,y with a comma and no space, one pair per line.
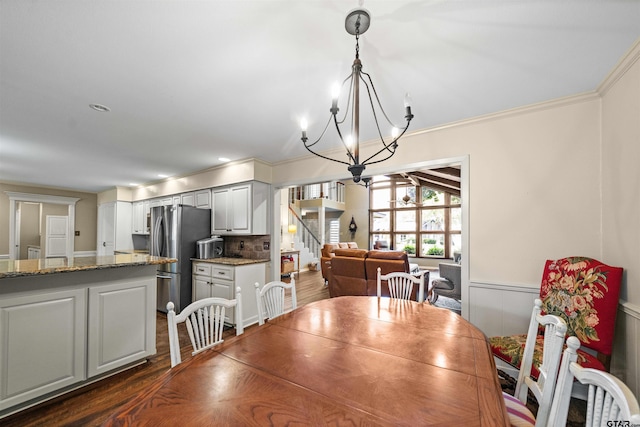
43,344
221,280
241,209
122,324
59,332
177,199
166,201
139,218
203,199
114,227
188,199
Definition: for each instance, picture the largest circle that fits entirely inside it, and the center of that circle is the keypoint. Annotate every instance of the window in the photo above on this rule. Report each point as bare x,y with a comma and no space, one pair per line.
422,220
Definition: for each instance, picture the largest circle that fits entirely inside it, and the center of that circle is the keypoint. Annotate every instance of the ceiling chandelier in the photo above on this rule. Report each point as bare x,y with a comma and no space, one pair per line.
357,23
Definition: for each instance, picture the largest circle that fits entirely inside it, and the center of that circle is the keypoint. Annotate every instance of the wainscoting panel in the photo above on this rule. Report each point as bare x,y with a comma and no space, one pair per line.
625,361
504,310
500,309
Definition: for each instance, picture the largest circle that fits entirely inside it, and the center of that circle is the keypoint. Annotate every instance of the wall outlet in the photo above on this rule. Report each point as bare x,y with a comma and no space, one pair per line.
265,246
241,244
77,233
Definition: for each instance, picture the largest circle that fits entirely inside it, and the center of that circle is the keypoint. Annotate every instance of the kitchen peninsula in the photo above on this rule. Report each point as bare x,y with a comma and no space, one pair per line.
65,323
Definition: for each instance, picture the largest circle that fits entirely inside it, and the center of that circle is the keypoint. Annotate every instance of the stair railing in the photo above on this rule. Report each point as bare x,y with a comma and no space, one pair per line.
306,236
334,190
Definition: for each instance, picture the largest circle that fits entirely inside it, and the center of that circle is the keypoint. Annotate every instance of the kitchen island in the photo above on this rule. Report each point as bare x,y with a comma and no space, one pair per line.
65,323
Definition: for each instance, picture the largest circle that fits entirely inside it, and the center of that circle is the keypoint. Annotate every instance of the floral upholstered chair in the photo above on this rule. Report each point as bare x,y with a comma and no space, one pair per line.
584,292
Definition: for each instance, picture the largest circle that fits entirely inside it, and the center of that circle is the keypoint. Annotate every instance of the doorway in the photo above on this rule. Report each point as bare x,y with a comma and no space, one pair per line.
280,191
14,219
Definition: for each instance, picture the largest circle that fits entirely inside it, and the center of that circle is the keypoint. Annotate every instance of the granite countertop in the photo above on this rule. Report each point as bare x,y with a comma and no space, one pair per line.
231,261
42,266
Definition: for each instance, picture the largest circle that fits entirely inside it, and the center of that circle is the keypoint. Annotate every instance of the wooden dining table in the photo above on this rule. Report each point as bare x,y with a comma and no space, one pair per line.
340,361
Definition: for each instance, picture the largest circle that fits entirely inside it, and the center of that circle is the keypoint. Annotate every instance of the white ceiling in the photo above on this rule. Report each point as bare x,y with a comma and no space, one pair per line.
190,81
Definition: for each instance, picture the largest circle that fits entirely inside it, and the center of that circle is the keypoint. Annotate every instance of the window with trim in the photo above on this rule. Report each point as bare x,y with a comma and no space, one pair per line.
425,222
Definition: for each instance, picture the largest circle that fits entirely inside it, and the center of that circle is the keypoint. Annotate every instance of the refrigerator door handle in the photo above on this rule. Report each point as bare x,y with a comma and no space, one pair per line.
164,277
156,237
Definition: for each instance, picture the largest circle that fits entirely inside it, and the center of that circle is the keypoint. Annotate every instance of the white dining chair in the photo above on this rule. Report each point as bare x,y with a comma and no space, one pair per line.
609,399
542,387
401,284
204,320
271,299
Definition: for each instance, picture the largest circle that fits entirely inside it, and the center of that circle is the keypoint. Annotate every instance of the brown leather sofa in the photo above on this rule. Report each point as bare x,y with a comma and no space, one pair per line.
355,271
327,254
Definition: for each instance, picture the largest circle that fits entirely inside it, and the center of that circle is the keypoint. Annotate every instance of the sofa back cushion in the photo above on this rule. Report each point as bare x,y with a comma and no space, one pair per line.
347,273
388,261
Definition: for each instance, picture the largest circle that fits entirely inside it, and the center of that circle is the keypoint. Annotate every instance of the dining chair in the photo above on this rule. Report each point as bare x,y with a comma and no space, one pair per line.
204,320
400,284
543,386
271,300
584,292
610,402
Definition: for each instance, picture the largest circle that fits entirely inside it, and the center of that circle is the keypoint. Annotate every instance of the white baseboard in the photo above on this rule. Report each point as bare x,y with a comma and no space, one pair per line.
84,253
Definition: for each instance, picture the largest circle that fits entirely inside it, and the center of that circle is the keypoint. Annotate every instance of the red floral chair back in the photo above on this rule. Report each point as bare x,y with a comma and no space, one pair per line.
585,293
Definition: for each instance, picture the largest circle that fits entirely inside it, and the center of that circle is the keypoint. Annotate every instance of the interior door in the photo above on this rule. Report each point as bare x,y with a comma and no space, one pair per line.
106,229
56,236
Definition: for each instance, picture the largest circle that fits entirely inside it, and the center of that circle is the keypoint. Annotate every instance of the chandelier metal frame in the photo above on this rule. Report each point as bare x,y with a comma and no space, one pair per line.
356,23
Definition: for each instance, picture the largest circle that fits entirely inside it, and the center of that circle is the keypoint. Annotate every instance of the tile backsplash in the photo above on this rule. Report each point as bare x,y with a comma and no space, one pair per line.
250,247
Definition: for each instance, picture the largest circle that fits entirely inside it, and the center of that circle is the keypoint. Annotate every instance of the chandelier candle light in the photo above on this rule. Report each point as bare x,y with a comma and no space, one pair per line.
356,23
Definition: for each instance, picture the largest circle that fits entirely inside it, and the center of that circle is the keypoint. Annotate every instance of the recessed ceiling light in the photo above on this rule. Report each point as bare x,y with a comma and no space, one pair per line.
99,107
161,175
133,184
224,159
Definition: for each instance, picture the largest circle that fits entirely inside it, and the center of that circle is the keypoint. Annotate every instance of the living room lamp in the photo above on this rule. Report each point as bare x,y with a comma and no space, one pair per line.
292,229
356,23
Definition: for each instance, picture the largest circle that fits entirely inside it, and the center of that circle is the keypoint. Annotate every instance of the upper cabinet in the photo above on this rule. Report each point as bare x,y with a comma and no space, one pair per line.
203,199
188,199
199,199
140,217
241,209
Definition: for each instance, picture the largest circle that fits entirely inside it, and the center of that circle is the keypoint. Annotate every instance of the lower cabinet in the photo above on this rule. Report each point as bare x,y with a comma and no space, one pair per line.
55,340
221,280
43,344
122,325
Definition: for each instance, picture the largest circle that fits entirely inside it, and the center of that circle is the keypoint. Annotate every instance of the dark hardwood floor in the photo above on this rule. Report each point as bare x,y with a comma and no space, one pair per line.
91,405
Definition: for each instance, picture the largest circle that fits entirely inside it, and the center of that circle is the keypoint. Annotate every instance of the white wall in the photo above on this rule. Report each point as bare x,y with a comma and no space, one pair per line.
546,181
528,169
621,206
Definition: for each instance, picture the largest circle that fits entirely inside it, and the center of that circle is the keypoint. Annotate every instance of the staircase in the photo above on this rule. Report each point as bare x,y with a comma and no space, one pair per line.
314,210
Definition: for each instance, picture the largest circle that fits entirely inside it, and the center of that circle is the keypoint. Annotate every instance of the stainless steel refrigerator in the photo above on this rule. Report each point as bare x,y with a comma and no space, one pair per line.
174,232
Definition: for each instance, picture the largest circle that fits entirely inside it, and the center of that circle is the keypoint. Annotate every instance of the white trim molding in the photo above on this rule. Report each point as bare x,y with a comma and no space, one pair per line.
14,198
